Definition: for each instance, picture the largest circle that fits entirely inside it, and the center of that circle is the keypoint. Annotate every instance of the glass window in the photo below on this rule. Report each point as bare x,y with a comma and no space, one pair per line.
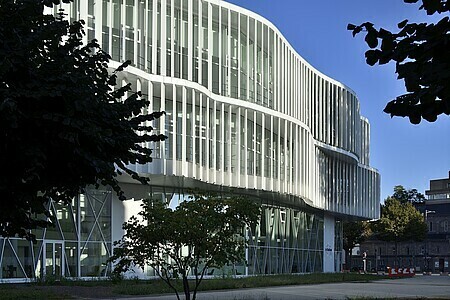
105,29
116,30
10,266
168,143
148,38
93,260
71,255
243,58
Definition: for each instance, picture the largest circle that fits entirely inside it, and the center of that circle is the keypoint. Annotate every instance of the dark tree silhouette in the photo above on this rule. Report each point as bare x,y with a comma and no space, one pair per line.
354,233
421,53
62,126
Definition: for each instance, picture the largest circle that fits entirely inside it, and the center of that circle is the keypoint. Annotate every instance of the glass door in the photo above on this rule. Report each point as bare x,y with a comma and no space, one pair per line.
53,259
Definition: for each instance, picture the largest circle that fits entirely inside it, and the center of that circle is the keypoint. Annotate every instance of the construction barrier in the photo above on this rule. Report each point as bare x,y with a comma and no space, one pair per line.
401,272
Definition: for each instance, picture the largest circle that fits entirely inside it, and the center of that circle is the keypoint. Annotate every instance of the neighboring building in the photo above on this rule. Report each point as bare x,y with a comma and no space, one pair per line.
433,253
244,114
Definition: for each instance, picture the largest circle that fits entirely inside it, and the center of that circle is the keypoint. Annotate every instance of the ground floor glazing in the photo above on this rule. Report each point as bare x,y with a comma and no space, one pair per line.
286,240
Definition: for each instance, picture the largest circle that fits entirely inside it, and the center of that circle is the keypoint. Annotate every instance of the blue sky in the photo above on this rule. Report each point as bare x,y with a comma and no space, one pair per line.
404,154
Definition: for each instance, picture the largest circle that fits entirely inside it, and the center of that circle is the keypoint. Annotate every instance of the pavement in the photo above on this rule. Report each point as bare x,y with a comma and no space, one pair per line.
436,287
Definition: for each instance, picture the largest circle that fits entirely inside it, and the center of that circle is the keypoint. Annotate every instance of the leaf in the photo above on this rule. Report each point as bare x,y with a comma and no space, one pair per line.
372,39
414,118
356,31
372,57
387,44
402,24
351,26
432,6
430,117
383,33
420,52
367,25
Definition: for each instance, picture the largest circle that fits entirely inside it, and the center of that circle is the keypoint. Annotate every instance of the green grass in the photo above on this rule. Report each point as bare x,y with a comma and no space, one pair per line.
103,288
159,287
16,292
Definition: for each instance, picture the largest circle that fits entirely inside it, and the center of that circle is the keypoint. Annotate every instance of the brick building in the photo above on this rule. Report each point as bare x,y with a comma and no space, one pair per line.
431,254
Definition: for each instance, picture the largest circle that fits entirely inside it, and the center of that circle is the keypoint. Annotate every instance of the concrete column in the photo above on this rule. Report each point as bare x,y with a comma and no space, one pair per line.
328,244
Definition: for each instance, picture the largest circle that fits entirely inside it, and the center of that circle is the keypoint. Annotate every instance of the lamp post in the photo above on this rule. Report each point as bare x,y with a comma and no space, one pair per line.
427,259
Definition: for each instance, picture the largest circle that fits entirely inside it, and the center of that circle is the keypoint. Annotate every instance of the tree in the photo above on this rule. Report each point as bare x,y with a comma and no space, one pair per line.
421,53
354,233
206,231
62,126
403,195
400,221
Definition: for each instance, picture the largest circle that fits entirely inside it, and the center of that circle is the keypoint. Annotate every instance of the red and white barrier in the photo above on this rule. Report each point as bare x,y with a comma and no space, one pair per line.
401,272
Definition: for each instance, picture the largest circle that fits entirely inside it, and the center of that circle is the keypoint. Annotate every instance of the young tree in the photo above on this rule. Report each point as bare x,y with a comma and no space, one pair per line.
399,222
354,233
206,231
421,53
62,126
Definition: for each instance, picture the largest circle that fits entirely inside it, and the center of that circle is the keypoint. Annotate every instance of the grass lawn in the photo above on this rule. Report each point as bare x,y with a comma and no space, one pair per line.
67,289
159,287
16,291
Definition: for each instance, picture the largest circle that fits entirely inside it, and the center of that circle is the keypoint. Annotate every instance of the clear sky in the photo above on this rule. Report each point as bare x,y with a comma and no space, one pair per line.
405,154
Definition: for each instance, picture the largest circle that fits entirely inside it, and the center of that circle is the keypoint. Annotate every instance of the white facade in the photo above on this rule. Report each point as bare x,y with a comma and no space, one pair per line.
243,108
244,113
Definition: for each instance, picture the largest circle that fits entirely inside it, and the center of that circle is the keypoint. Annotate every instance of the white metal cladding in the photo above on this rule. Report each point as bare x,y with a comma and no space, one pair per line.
243,108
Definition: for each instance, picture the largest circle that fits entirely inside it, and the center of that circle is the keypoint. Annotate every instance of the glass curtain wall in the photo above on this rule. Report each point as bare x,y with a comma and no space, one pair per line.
213,47
229,53
285,240
78,245
192,110
241,49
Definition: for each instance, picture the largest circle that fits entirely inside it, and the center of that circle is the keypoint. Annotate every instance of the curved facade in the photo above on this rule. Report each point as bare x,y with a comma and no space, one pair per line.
244,113
243,108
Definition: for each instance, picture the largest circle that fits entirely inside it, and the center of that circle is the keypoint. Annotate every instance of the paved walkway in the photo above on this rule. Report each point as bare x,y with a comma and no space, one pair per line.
419,286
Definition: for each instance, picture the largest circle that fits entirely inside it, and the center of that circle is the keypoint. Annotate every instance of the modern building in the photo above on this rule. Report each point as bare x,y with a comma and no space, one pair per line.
245,113
431,254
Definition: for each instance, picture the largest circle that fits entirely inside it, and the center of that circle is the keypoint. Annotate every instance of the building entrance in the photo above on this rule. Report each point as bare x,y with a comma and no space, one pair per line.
52,259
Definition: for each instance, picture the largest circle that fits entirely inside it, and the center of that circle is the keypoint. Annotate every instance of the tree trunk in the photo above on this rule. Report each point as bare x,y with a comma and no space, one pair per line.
187,292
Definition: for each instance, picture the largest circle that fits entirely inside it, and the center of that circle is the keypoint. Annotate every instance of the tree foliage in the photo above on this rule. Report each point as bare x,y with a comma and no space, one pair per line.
207,231
354,233
62,126
400,222
403,195
421,52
